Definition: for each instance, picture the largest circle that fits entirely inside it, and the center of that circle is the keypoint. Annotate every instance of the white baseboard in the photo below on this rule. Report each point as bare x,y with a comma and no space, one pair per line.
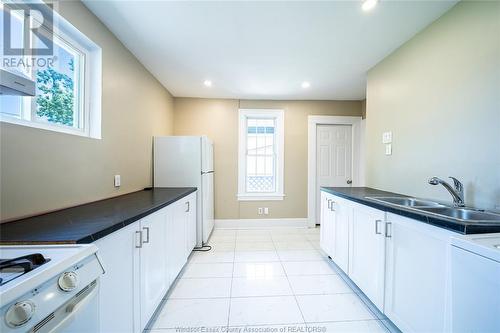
260,223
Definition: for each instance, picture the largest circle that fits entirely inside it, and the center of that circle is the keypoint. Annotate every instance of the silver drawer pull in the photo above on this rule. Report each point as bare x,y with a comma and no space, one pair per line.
188,207
388,230
138,232
376,227
147,234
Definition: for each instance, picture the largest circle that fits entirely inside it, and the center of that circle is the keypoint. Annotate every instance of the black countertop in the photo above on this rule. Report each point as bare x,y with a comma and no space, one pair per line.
89,222
359,194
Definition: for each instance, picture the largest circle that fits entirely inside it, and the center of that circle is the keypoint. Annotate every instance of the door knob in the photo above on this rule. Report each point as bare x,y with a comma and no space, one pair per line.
349,181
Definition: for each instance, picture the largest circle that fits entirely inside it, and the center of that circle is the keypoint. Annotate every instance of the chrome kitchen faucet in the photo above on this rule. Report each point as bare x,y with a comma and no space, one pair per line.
456,191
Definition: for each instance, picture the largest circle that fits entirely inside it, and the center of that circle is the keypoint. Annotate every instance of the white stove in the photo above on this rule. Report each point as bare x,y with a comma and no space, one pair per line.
49,288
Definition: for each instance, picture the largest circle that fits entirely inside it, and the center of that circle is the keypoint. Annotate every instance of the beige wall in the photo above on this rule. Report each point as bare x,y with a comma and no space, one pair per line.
218,119
43,170
440,96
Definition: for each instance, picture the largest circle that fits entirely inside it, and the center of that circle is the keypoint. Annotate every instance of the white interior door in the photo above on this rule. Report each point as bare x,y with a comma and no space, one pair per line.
333,158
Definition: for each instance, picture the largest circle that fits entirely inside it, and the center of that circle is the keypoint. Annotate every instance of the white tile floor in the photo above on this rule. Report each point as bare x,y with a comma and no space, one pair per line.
276,280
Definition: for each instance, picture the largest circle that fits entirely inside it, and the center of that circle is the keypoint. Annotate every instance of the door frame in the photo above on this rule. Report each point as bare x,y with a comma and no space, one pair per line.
312,124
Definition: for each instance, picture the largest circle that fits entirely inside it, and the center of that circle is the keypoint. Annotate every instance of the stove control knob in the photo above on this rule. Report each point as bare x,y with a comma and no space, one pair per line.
68,281
20,313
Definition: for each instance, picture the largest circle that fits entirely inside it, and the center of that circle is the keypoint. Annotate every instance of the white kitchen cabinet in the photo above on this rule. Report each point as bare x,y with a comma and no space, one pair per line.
190,212
403,266
334,233
178,240
171,252
119,299
416,275
176,235
180,234
343,212
141,262
327,231
154,283
367,252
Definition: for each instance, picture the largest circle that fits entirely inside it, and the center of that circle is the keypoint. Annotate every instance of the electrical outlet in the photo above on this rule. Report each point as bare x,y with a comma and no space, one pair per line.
118,181
266,211
260,210
388,149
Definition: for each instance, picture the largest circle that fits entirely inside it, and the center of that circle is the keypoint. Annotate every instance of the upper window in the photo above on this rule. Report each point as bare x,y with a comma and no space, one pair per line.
67,80
261,148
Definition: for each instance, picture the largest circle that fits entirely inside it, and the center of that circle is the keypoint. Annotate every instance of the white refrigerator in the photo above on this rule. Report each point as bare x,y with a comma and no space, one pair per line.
187,161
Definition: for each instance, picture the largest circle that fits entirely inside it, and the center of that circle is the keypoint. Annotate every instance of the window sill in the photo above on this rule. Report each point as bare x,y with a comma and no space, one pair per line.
44,126
260,197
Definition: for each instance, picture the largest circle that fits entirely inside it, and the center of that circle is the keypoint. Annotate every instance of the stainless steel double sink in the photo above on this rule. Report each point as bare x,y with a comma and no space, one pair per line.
462,214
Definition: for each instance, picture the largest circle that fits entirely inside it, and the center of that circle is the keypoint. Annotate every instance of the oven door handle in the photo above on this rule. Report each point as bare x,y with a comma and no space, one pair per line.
66,313
75,307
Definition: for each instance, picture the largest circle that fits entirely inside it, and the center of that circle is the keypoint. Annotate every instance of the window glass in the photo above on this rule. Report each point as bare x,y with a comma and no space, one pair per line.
67,80
58,87
260,157
11,105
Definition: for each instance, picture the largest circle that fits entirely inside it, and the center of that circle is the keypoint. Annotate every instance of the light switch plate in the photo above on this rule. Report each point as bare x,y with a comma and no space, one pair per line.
266,211
388,149
387,137
118,181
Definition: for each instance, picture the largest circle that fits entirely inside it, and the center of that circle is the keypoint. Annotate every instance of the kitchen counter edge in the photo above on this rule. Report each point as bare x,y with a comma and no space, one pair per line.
359,194
80,224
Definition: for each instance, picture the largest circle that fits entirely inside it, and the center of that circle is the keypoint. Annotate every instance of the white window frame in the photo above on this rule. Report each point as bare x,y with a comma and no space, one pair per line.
91,90
278,115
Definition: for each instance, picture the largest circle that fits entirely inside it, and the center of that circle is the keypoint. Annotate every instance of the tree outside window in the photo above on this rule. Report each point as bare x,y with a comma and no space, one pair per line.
55,101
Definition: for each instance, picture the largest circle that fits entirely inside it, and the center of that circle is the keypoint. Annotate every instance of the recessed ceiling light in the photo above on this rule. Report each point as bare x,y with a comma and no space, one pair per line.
369,5
207,83
306,84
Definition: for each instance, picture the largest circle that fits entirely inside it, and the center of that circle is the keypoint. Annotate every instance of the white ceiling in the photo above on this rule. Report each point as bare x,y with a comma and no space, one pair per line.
264,50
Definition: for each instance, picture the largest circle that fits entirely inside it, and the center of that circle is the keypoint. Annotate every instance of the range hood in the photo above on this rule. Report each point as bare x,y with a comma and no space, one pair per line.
16,84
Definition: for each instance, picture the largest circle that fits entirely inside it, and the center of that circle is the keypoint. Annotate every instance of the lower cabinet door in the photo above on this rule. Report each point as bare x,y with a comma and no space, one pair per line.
179,225
192,220
190,204
367,252
416,275
119,300
141,262
154,283
341,244
170,259
327,231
